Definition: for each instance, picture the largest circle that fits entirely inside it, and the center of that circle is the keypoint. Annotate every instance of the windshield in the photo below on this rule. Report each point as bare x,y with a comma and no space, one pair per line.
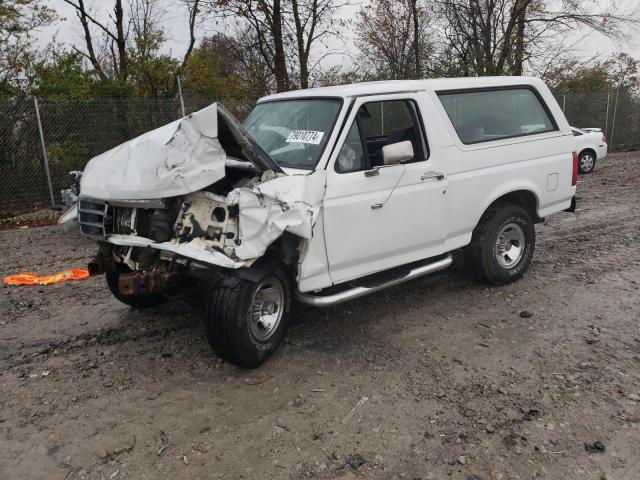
293,132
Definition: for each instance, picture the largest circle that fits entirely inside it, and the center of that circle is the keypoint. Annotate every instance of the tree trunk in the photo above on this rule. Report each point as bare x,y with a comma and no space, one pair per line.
91,55
279,59
302,58
121,41
416,39
518,7
519,53
304,72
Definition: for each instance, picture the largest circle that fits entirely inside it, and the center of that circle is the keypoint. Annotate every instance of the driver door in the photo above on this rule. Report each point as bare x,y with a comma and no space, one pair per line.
380,216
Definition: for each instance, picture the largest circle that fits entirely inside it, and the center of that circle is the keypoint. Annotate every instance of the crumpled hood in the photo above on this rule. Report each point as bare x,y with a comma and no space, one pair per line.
181,157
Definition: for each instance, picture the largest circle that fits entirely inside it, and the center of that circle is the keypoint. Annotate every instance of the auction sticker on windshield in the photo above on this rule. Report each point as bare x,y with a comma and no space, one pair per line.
305,136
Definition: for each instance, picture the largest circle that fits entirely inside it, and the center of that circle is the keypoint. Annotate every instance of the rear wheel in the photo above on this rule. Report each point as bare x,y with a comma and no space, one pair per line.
133,300
586,162
503,243
246,320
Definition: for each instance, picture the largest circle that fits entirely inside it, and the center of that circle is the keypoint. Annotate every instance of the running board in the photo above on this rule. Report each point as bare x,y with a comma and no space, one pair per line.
357,292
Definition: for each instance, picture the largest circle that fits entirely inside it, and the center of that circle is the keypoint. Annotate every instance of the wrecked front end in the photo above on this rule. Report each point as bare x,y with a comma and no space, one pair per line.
194,198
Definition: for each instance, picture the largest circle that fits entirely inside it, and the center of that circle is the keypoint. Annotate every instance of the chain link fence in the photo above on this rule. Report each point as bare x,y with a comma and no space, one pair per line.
34,168
23,179
42,140
617,113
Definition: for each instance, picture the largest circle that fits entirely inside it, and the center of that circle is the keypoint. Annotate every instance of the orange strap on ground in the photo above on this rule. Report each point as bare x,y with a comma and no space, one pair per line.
28,278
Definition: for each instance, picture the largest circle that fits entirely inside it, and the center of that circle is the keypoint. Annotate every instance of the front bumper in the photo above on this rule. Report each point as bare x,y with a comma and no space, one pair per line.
196,250
115,222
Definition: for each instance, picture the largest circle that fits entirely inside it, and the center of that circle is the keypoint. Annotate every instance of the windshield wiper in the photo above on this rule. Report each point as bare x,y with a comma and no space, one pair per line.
289,165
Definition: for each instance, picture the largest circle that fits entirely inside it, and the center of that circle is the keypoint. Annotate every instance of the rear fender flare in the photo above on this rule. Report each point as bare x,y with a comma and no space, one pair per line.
504,191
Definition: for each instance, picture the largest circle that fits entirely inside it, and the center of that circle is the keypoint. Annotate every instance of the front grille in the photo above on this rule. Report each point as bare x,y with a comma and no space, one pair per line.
94,218
123,220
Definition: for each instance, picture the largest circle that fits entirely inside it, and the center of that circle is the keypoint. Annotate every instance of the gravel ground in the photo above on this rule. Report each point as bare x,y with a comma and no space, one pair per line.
442,377
38,218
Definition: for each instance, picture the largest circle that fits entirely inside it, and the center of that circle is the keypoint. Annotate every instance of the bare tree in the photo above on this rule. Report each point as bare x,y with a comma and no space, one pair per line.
391,35
313,21
497,37
114,36
193,9
265,19
416,16
286,32
255,72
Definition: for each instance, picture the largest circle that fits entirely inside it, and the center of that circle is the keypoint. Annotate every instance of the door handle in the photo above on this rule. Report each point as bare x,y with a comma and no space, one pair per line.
376,206
436,175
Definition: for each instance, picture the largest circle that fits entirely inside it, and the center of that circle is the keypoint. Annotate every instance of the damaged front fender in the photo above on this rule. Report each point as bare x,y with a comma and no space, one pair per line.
269,209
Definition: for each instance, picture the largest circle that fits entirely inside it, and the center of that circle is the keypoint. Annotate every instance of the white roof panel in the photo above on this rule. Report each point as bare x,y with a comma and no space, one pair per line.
392,86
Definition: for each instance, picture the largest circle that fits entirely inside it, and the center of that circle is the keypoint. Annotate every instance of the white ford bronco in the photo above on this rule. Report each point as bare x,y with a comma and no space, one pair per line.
326,195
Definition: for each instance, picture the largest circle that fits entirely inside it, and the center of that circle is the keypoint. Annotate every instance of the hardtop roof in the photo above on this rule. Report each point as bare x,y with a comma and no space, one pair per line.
399,86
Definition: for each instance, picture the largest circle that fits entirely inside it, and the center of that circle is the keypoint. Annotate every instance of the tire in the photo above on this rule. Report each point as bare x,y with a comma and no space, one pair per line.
586,162
502,229
236,334
135,301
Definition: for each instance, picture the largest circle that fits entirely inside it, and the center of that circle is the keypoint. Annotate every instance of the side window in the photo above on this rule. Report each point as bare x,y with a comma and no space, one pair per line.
351,156
485,115
378,124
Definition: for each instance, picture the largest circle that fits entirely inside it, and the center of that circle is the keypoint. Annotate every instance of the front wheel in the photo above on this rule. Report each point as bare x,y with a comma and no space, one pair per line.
246,320
586,162
502,245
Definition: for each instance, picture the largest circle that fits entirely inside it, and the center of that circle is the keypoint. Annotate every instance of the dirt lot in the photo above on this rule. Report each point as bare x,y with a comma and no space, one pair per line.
461,380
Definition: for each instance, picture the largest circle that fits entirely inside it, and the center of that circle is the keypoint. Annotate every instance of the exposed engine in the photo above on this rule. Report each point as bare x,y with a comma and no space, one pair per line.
202,216
206,215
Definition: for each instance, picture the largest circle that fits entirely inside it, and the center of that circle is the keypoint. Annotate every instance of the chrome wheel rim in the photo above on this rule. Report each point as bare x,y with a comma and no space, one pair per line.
510,245
586,162
267,307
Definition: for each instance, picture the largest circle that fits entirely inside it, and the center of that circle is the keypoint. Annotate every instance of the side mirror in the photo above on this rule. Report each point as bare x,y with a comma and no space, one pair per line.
397,152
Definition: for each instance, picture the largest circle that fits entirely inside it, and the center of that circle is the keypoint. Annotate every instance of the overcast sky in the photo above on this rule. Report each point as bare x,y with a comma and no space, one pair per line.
68,31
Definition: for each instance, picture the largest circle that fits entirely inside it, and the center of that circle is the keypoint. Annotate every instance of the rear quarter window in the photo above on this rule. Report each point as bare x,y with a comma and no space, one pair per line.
486,115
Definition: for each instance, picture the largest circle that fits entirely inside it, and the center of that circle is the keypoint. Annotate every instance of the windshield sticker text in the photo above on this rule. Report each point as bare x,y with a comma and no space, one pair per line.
304,136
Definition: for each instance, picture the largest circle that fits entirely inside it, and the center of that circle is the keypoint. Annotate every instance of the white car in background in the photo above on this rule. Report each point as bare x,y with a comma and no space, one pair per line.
592,146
